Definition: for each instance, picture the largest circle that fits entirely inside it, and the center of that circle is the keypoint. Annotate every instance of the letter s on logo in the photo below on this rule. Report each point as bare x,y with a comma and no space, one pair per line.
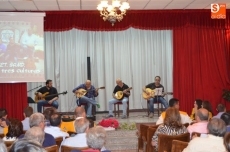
215,8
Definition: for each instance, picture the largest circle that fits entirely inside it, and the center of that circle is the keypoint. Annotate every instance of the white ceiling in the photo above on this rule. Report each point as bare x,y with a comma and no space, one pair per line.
49,5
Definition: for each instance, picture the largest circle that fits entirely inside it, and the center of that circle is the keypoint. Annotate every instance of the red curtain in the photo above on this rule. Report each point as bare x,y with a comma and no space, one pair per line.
141,19
200,65
13,97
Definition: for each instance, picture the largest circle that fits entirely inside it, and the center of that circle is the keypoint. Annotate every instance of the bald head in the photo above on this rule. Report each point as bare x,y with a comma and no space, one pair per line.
119,82
202,115
88,84
80,112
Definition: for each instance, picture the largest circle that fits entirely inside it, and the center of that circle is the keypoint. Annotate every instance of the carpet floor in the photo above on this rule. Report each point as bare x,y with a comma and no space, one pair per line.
121,141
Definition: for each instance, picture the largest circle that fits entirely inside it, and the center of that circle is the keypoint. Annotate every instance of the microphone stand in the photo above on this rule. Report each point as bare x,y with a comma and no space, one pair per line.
158,103
34,88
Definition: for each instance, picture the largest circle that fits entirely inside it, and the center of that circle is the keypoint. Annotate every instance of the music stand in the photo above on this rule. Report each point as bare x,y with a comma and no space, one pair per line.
158,92
30,100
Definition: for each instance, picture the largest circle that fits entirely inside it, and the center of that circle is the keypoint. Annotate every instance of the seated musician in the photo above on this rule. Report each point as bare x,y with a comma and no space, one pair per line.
161,99
124,88
88,98
52,100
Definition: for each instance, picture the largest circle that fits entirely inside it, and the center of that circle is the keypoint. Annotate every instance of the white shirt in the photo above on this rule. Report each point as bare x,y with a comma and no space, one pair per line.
209,144
56,132
184,118
26,124
79,140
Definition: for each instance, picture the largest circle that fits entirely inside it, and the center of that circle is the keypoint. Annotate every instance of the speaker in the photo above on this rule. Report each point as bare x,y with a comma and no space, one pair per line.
88,69
30,100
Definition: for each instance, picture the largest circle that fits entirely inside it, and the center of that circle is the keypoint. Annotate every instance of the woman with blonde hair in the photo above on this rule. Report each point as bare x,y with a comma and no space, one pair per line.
172,126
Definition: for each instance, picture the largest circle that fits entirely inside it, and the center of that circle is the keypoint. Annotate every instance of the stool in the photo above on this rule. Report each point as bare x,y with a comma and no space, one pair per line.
116,110
158,107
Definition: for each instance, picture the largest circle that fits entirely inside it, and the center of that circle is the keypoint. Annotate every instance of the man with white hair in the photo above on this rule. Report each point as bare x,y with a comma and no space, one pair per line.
36,134
38,120
79,140
89,97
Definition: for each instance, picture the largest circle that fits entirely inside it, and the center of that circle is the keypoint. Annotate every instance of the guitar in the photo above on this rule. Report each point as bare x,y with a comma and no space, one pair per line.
81,92
119,94
45,95
151,93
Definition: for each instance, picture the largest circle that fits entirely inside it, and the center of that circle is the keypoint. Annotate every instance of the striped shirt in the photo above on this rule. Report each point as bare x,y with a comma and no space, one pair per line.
168,130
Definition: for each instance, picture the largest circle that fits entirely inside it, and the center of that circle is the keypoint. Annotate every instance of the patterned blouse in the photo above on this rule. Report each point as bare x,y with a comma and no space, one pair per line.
168,130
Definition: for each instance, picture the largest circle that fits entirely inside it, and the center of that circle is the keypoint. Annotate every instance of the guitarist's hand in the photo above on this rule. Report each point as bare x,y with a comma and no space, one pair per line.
50,102
39,94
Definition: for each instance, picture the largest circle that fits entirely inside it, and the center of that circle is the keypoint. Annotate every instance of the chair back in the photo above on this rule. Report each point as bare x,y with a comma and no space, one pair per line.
53,148
58,141
2,135
150,133
68,148
165,141
143,136
178,146
8,143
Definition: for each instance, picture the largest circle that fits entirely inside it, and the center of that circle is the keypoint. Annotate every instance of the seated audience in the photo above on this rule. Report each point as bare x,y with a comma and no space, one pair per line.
37,119
2,146
226,118
175,103
197,105
201,122
47,113
69,126
227,141
4,122
79,140
207,105
36,134
214,140
54,128
24,145
28,111
221,109
96,138
172,126
15,129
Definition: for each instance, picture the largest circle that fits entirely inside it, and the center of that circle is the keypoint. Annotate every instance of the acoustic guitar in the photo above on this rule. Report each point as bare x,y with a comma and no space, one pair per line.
151,93
119,94
45,95
81,92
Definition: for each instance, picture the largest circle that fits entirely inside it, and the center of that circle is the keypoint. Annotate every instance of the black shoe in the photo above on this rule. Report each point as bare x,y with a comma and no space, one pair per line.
109,116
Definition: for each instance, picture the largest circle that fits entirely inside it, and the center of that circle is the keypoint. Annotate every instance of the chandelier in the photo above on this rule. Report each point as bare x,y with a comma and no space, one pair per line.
114,12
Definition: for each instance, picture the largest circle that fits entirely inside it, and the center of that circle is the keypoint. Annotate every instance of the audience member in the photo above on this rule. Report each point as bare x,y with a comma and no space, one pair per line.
79,140
47,113
201,122
172,126
69,126
220,109
28,111
197,106
2,146
96,138
36,134
4,122
175,103
54,128
207,105
24,145
214,141
226,118
227,141
15,129
37,119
